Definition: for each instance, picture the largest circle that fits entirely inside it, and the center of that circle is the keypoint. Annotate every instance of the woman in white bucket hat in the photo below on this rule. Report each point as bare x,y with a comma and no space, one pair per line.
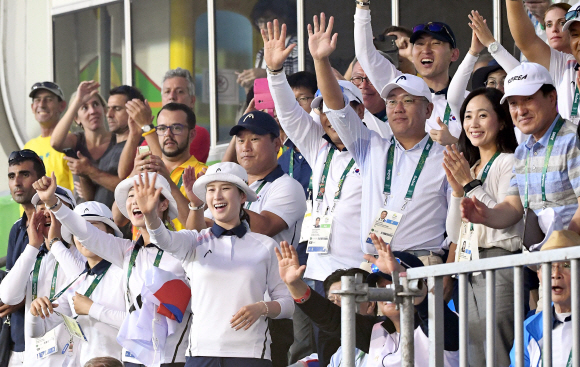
231,269
134,257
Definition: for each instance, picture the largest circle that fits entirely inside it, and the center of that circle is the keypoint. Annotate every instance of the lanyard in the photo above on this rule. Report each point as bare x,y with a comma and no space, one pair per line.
291,169
447,115
322,185
549,148
257,192
132,264
414,179
35,278
568,364
574,112
341,182
91,288
484,176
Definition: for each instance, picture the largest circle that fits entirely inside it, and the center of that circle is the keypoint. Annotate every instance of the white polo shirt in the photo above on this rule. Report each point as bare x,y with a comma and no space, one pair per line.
381,72
561,341
18,284
232,269
284,196
563,72
307,135
423,224
105,316
118,252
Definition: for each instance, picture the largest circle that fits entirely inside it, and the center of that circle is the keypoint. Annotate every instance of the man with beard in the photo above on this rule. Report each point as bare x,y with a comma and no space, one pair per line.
24,168
104,176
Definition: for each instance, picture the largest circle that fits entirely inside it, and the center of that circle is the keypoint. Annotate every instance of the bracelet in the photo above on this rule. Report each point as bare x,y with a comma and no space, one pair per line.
362,3
274,72
265,314
304,297
53,241
55,204
195,207
148,132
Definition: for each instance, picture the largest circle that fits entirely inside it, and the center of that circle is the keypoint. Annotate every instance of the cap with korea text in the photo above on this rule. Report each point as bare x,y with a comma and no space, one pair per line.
525,80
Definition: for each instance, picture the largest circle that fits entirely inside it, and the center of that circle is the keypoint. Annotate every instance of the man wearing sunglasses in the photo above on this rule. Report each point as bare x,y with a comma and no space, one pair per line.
24,168
47,106
434,49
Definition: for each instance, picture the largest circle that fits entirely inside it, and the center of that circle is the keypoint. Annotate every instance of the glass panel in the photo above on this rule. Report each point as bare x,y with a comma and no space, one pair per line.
89,45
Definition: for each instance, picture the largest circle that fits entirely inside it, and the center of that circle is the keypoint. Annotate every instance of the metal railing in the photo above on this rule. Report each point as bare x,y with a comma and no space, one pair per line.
405,288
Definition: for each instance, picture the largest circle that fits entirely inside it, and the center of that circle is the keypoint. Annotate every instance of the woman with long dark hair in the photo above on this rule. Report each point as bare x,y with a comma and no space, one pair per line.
481,168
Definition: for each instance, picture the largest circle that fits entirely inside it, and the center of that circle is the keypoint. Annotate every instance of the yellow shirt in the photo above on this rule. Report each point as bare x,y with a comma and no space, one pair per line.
53,161
176,177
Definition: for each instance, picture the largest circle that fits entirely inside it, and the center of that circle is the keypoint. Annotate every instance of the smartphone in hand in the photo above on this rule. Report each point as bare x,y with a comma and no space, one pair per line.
262,97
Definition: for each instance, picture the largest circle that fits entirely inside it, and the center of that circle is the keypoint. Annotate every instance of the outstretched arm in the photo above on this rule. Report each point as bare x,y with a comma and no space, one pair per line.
503,215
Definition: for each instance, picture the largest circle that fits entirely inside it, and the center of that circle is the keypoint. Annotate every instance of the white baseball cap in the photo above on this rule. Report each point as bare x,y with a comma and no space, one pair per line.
64,194
572,16
122,191
349,90
525,80
92,211
225,172
412,84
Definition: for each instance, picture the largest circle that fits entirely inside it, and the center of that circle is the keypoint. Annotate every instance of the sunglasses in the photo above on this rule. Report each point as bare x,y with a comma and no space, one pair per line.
572,14
49,85
437,28
19,155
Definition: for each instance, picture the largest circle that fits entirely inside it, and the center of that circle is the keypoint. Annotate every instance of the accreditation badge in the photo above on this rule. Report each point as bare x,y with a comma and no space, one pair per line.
385,225
45,345
72,326
320,235
306,223
467,247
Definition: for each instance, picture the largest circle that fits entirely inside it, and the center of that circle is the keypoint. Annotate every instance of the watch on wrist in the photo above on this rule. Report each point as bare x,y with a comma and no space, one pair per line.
147,128
472,185
363,3
53,241
493,47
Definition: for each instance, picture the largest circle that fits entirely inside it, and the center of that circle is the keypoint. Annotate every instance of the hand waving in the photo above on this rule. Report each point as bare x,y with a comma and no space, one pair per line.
146,195
290,269
188,181
321,41
275,50
386,261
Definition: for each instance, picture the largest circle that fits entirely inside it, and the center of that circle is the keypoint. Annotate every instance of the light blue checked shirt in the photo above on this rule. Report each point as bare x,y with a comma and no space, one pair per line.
563,175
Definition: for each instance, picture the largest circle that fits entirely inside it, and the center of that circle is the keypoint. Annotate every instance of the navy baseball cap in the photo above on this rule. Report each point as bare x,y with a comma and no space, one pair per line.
404,258
257,122
480,75
437,30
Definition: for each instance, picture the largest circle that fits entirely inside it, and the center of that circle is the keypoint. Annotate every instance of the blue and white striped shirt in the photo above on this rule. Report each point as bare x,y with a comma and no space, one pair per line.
563,175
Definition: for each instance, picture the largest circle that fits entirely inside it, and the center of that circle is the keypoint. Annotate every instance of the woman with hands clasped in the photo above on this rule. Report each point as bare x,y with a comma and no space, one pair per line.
95,298
231,269
377,336
134,257
480,169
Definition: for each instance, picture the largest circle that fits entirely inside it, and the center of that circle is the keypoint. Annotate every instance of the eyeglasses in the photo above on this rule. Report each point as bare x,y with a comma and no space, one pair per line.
335,298
358,80
492,83
304,100
561,266
19,155
435,27
407,101
572,14
176,129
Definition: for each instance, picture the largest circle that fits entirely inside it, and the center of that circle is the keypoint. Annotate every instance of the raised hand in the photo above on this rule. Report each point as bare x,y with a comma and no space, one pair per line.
321,41
146,194
42,307
480,28
456,163
456,186
35,229
139,112
443,136
86,90
275,50
474,211
386,261
188,181
288,265
45,188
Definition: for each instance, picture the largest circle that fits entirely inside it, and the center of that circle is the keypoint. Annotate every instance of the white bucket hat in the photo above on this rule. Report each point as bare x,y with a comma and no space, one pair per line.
92,211
122,191
412,84
525,80
64,194
349,90
226,172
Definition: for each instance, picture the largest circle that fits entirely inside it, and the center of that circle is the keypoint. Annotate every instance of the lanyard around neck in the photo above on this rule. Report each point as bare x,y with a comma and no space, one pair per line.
35,273
89,290
574,112
484,175
447,115
132,263
324,177
549,149
257,192
416,174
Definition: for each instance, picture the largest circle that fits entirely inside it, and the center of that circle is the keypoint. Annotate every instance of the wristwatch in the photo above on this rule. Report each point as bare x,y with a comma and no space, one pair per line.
53,241
493,47
147,128
472,185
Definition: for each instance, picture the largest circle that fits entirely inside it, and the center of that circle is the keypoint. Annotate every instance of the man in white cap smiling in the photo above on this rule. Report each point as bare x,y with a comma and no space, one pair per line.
403,175
546,167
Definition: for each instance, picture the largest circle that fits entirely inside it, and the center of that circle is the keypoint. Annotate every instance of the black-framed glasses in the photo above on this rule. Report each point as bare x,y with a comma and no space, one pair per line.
24,154
176,129
358,80
435,27
572,14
